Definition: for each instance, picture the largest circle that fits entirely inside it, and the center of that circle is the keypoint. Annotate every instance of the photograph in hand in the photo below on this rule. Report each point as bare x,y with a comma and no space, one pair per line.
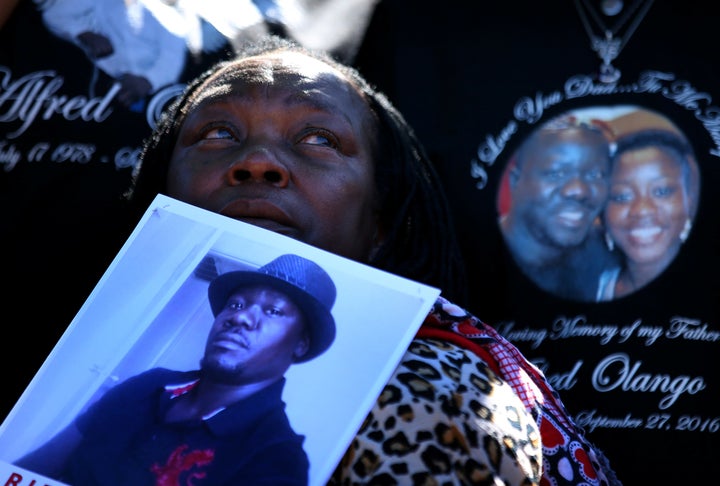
210,348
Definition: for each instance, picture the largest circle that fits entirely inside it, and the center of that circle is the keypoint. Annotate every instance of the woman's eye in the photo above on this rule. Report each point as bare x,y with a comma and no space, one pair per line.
218,133
664,191
320,138
620,197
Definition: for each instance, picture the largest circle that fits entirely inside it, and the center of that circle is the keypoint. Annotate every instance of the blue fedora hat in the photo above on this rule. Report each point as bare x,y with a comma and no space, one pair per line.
302,280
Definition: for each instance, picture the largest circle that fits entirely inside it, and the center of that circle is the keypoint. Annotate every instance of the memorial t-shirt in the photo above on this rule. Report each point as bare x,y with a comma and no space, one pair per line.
478,82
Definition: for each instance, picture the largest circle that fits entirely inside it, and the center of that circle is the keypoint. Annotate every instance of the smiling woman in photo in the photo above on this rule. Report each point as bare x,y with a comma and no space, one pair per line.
653,194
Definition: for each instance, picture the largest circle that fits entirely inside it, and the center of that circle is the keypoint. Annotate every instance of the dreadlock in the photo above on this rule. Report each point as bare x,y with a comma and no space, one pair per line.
419,237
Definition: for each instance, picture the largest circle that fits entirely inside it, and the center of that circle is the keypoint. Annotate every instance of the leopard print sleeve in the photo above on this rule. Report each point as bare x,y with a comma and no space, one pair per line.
444,418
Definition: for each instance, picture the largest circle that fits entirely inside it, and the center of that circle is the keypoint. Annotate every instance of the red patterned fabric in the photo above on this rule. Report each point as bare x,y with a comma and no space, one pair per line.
568,458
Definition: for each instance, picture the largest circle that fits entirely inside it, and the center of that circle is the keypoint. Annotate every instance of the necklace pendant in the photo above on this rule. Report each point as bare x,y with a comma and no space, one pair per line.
608,73
616,36
607,49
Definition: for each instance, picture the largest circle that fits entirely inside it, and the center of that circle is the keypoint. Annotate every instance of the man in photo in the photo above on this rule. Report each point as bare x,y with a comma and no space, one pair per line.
224,423
558,185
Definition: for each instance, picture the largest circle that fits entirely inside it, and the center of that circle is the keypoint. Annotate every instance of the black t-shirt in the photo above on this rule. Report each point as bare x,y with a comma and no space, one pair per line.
125,440
475,81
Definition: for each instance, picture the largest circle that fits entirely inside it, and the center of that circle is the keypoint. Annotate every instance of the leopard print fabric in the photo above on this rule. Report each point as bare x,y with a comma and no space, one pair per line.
444,418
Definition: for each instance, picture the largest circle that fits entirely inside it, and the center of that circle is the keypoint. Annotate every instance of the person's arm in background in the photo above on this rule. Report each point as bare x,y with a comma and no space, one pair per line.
6,9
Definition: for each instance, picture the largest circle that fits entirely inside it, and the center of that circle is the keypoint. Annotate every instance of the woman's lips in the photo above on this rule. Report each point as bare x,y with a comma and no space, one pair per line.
261,213
646,235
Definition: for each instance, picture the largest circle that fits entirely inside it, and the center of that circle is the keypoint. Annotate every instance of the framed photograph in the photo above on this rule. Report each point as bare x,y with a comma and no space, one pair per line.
151,309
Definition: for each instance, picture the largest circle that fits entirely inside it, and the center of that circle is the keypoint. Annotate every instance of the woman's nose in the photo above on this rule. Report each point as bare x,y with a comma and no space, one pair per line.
258,164
642,205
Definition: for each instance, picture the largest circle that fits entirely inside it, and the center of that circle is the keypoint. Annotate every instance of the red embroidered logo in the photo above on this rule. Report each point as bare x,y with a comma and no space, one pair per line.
179,462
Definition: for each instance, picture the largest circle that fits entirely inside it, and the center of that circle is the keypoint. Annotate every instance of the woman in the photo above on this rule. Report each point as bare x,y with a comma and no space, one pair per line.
291,141
648,216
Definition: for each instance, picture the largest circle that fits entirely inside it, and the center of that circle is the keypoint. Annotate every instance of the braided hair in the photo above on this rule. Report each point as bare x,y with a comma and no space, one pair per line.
419,237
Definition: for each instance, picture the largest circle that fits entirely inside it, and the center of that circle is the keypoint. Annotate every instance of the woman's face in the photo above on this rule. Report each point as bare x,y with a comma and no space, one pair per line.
284,142
647,208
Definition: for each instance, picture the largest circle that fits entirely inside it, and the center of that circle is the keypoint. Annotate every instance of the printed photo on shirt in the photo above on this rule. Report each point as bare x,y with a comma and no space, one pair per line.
596,203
